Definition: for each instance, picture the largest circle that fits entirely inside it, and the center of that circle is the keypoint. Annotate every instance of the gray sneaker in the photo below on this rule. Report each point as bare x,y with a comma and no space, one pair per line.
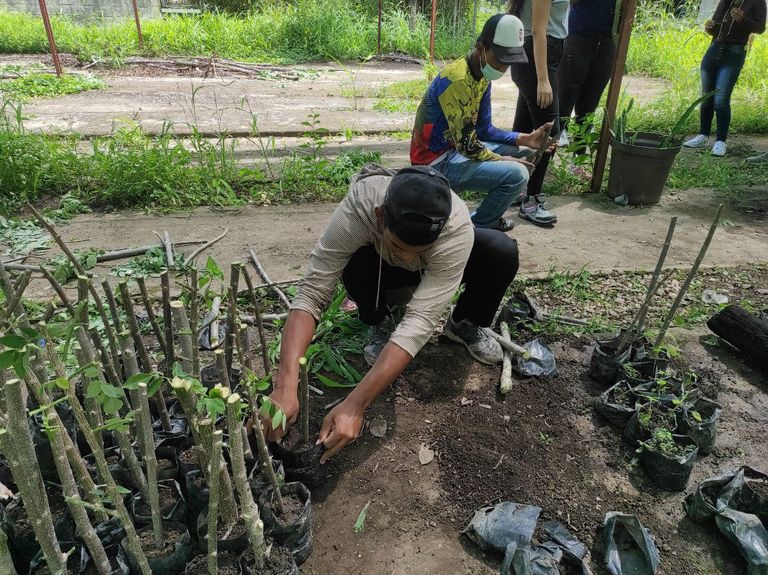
378,336
759,159
535,211
482,346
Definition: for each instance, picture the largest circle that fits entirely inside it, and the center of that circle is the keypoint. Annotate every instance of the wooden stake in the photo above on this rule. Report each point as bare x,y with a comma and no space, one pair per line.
194,321
234,280
259,324
686,284
151,314
432,27
183,331
51,39
304,400
191,257
505,383
170,356
150,462
263,274
138,24
213,503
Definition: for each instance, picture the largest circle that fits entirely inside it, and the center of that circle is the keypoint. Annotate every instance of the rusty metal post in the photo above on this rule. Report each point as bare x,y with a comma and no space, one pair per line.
378,39
628,9
51,40
138,24
474,19
432,27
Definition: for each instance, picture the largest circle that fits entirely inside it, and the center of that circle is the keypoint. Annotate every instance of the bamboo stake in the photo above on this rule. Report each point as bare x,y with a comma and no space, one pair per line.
194,321
304,400
505,384
263,274
213,502
150,462
151,314
259,324
686,284
184,333
248,508
204,247
170,355
133,326
19,450
639,318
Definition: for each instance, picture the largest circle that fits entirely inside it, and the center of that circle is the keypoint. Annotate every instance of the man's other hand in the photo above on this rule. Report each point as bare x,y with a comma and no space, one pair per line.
340,428
535,138
289,403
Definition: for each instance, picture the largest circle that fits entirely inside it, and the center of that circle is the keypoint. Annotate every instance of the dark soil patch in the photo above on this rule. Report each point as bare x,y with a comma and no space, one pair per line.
189,457
292,508
237,531
760,488
168,499
280,561
227,564
164,464
147,540
621,396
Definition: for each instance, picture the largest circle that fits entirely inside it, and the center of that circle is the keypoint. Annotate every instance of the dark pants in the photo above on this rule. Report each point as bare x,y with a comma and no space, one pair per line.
528,115
720,69
583,75
492,266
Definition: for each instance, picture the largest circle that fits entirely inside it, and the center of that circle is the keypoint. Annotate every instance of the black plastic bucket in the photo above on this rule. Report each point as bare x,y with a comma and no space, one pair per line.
640,170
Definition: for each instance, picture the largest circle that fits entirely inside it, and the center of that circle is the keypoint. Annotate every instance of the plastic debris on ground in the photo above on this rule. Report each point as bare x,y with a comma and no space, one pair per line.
629,547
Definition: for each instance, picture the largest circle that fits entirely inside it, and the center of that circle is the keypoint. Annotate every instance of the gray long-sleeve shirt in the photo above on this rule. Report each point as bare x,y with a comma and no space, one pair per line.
353,225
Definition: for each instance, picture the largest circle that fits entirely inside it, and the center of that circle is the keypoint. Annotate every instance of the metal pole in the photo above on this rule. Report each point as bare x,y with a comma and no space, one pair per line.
614,90
432,27
51,40
474,19
378,40
138,24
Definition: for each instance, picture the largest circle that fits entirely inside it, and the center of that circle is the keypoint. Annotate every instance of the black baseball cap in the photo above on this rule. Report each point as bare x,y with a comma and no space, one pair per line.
505,34
417,205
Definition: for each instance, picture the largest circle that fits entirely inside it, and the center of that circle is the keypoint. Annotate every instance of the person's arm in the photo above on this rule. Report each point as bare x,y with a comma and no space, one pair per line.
343,424
459,109
486,131
752,21
539,22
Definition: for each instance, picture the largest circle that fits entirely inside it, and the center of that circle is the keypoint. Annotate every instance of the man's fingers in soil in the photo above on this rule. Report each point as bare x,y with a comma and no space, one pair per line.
333,445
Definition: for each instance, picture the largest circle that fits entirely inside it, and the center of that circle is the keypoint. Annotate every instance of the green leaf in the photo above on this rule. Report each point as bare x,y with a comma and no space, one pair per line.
21,365
93,390
62,383
8,358
91,372
110,390
29,333
177,371
112,405
277,419
360,523
13,341
696,415
213,268
154,386
122,490
328,382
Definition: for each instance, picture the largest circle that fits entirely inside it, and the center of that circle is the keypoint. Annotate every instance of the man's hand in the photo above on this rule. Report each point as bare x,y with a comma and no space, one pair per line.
340,427
544,95
737,14
289,403
709,27
535,138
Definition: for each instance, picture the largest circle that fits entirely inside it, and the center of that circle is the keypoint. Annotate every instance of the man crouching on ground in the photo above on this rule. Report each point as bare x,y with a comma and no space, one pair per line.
395,230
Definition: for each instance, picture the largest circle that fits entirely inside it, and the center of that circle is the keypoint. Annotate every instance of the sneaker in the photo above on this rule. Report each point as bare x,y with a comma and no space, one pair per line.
759,159
719,149
536,212
482,346
699,141
564,139
503,225
378,336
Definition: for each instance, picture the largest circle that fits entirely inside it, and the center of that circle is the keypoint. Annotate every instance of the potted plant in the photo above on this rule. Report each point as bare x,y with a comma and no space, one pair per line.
641,161
668,459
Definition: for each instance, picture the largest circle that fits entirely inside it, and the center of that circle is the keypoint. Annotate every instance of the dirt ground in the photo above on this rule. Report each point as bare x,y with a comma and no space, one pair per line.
542,444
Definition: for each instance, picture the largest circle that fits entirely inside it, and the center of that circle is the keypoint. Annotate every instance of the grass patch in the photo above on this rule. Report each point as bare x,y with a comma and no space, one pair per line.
402,96
40,85
701,170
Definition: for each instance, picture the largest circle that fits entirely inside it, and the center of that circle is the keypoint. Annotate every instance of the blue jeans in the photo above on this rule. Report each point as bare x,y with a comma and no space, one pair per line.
502,181
720,69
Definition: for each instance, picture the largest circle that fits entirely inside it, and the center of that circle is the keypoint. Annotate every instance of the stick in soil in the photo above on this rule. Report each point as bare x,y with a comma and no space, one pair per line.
170,356
181,323
213,502
248,508
505,383
214,323
234,280
146,361
266,463
57,287
151,313
635,326
194,320
204,247
16,444
304,401
263,274
686,284
150,462
110,486
259,324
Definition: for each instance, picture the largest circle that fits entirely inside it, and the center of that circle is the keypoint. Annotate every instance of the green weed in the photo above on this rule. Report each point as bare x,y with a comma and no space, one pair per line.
38,85
402,96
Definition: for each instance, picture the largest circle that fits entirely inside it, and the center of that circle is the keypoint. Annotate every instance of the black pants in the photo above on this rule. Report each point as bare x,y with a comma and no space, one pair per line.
492,266
583,75
528,115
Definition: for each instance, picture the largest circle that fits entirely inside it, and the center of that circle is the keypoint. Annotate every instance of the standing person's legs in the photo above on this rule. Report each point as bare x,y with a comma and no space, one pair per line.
598,76
573,72
491,267
503,182
710,65
727,76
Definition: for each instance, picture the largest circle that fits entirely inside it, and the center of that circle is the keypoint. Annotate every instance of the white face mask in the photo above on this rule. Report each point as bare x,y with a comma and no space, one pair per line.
489,72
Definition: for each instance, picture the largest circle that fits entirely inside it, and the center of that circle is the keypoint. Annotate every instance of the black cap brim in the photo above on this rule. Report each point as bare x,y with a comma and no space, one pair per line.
509,55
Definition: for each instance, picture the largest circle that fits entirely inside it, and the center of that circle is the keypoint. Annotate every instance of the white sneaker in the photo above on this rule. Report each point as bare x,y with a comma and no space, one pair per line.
564,139
699,141
719,149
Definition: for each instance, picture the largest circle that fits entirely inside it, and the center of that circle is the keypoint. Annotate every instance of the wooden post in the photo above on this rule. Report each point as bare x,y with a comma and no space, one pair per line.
474,19
138,24
432,27
629,7
51,40
378,39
